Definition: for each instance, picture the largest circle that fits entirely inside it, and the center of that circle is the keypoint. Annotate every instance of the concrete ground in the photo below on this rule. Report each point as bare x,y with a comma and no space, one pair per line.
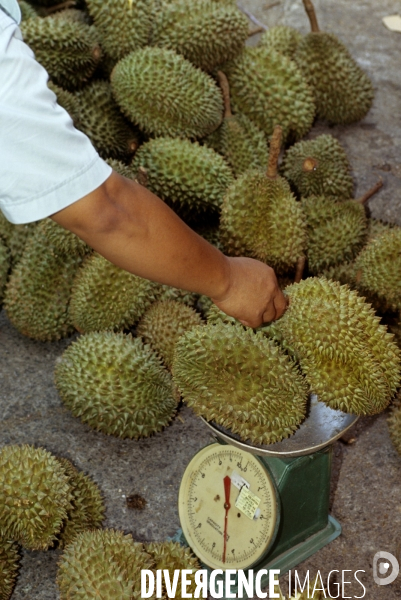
366,494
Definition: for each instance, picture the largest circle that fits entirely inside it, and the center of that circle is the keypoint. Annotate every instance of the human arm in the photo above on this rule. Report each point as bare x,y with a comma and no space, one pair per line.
138,232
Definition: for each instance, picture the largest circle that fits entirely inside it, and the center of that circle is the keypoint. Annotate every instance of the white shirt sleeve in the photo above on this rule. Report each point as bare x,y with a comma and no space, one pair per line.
45,163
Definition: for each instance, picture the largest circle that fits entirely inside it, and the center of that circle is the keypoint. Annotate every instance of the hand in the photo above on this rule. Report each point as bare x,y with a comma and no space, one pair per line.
253,295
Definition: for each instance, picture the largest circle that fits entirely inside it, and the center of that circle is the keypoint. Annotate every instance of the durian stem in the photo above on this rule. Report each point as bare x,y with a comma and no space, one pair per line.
274,152
363,199
62,6
225,89
299,271
255,31
142,177
310,11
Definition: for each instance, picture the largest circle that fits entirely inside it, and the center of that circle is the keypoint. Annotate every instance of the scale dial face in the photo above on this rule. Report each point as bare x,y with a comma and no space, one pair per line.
228,507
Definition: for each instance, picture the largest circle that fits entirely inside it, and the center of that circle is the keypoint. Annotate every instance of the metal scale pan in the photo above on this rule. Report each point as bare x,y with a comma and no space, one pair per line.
321,427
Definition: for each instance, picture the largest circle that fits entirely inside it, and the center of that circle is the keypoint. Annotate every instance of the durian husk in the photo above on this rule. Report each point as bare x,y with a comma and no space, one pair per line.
319,167
104,564
87,506
63,240
165,95
39,289
172,556
116,384
15,237
348,358
205,32
35,496
68,101
105,297
9,559
282,39
162,325
231,376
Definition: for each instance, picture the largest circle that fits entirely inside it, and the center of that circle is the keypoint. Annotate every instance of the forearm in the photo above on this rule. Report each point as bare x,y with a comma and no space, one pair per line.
138,232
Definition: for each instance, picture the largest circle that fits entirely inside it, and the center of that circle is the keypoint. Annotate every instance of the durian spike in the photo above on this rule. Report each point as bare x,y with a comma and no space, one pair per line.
274,152
299,271
61,6
225,90
310,11
373,190
142,177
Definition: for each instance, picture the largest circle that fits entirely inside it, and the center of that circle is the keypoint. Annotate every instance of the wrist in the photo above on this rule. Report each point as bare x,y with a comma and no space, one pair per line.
226,282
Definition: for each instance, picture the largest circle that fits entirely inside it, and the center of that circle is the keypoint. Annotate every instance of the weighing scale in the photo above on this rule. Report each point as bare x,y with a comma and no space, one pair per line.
245,506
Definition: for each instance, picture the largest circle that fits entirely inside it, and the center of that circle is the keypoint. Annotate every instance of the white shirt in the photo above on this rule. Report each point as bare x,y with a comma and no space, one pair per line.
12,9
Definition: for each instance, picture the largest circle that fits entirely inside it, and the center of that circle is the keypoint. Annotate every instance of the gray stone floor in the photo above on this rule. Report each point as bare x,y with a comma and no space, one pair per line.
366,495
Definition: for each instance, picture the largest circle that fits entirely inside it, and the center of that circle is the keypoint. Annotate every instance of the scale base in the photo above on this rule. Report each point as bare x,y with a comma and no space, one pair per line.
287,560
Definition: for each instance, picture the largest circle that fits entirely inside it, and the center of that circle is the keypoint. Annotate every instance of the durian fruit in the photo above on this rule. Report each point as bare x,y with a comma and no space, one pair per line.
336,231
120,167
377,227
319,167
27,12
15,237
344,273
174,557
38,291
282,39
378,268
169,293
215,315
102,565
73,14
348,358
87,506
63,240
394,423
343,93
101,120
269,88
163,323
4,268
191,178
116,385
124,25
275,230
68,101
107,297
240,380
9,559
34,496
69,51
205,32
240,141
165,94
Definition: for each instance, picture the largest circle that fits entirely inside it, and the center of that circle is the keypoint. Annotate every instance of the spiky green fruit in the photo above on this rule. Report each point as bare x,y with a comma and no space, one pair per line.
240,380
87,506
282,39
319,167
101,120
275,230
378,268
124,26
120,168
15,237
165,94
215,315
107,297
67,100
206,33
348,358
343,93
163,323
102,565
343,273
34,496
27,12
63,240
269,88
377,227
169,293
73,14
39,289
9,559
4,268
191,178
69,51
336,231
172,556
116,385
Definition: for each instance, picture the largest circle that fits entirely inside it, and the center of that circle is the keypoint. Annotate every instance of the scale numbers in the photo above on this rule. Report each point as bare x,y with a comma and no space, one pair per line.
219,532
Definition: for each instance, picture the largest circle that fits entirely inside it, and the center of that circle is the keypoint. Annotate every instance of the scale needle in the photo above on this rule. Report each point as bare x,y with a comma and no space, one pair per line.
227,506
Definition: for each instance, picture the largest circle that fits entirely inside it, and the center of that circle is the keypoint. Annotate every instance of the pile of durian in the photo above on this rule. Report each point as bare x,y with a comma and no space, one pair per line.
171,95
